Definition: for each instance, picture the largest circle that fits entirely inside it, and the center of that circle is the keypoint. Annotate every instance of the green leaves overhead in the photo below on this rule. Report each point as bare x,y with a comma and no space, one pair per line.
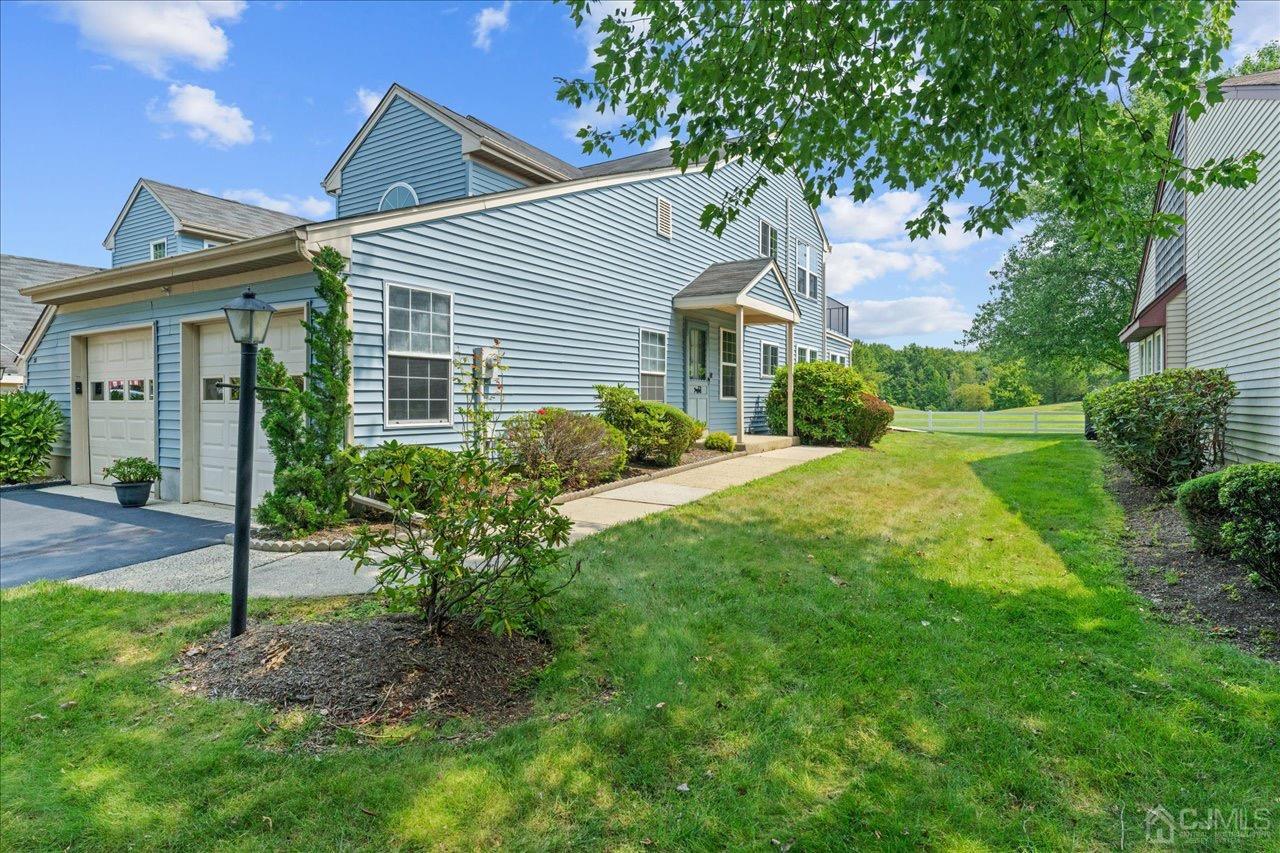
950,96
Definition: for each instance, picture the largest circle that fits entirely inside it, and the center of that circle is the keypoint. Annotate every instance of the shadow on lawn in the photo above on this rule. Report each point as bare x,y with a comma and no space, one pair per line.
835,670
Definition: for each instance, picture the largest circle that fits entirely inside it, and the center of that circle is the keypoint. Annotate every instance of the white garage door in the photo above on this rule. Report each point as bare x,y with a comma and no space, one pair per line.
122,408
220,407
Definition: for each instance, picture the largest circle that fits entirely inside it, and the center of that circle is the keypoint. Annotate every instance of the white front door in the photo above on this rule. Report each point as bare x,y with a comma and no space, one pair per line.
122,408
220,407
697,377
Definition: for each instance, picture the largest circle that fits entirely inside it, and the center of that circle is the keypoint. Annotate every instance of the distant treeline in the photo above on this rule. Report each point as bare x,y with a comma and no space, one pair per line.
945,379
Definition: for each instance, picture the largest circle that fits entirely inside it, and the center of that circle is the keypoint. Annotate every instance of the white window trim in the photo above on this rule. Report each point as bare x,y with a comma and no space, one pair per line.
151,249
387,354
777,238
412,192
1151,354
722,362
806,350
666,354
763,373
812,274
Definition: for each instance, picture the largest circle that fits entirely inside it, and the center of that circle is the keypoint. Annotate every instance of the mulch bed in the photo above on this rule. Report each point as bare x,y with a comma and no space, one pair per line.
1187,585
693,454
377,670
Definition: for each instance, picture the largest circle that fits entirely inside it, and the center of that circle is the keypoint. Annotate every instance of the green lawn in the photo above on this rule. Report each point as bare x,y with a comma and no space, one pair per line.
926,645
1065,418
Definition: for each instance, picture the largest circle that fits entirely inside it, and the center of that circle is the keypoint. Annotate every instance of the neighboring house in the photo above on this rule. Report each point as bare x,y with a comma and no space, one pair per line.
18,314
457,235
1210,296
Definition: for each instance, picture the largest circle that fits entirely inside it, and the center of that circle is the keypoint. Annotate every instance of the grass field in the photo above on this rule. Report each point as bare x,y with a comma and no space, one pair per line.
930,644
1065,418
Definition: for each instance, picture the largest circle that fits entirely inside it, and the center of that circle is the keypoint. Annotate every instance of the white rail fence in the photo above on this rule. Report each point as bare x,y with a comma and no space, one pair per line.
1061,423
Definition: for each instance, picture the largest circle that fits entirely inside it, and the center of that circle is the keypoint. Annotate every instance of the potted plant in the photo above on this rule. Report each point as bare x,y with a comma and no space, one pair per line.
134,477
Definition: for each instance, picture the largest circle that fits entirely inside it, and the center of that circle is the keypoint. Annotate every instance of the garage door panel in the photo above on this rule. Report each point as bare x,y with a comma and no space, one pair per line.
121,407
219,413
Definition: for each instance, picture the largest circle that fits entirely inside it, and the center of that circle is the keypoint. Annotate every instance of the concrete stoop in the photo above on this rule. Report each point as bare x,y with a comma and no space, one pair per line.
765,443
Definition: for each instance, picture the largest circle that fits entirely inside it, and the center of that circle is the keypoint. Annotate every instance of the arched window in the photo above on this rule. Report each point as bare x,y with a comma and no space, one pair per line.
398,195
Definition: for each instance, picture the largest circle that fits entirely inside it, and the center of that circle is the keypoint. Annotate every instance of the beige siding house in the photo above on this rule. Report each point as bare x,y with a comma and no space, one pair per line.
1210,295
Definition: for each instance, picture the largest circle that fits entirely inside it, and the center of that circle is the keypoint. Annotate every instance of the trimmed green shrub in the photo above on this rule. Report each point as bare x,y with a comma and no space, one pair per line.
721,441
578,450
30,424
1164,428
1199,505
971,397
392,467
655,432
832,406
133,469
1250,497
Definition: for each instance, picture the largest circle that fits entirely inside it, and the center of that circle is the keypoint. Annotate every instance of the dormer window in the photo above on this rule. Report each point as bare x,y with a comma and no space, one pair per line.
398,195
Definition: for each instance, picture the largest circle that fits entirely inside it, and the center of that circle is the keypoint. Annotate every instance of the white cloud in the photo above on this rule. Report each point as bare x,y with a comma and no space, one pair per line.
1255,23
366,102
489,20
206,118
871,319
881,216
589,35
663,141
853,263
152,35
310,207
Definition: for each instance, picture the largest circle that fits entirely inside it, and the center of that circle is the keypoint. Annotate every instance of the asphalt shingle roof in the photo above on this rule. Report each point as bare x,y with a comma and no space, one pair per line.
222,215
725,279
1263,78
18,313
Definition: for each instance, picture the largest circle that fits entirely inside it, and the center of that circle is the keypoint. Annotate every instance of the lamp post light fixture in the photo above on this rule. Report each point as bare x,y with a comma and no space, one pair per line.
248,318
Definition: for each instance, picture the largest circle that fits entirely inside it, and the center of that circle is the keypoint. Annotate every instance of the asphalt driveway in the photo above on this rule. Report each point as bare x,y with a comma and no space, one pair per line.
56,537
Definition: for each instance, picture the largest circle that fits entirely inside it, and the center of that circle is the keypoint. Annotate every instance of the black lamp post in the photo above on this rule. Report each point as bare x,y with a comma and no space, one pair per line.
248,318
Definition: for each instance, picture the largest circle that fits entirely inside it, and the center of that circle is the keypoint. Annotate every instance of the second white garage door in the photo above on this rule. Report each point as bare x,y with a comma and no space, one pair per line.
220,407
122,409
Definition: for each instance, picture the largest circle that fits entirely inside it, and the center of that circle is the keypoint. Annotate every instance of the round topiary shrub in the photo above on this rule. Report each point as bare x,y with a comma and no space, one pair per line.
833,405
579,450
1164,428
720,441
655,432
1202,511
30,424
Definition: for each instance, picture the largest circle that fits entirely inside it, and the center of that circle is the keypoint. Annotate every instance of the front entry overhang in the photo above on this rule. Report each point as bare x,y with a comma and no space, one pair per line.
731,286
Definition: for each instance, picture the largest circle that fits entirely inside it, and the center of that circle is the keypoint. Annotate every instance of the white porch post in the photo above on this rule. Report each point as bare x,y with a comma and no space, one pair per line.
791,380
742,428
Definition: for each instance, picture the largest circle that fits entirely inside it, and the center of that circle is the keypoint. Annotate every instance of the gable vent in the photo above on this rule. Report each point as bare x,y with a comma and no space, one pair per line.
664,217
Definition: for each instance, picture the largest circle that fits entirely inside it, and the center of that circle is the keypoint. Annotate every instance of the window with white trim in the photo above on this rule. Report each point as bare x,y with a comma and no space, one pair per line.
728,365
770,358
806,354
653,366
837,358
159,249
1151,353
398,195
664,217
807,270
768,240
419,344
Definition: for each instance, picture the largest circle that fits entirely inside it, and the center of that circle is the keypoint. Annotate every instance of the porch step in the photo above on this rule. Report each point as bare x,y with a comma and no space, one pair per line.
762,443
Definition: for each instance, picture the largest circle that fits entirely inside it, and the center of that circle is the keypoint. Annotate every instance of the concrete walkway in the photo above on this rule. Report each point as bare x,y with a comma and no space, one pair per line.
313,574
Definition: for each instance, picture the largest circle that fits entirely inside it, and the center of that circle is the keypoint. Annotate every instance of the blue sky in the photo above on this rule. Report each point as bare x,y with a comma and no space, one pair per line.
255,102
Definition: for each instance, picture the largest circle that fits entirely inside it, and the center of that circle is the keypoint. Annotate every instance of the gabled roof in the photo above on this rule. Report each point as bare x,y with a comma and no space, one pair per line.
1262,78
477,137
18,314
729,284
206,214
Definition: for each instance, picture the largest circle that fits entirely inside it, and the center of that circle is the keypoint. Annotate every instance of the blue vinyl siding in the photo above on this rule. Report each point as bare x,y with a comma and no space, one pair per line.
50,366
485,180
405,145
187,243
146,222
768,289
565,283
